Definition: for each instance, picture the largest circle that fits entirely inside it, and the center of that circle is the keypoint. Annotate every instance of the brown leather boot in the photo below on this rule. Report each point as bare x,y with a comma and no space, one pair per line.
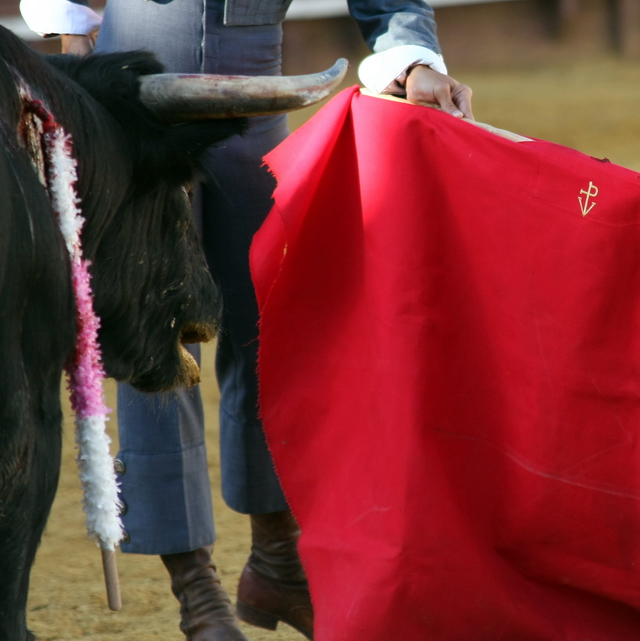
205,608
273,586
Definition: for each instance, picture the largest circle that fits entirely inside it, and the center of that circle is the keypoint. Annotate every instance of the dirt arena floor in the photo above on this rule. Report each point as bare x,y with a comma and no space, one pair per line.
593,106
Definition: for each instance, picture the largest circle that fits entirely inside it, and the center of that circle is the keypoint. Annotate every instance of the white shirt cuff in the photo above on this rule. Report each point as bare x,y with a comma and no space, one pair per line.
386,72
59,16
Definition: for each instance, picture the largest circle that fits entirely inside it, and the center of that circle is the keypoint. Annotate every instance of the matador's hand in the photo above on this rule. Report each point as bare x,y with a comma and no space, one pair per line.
426,86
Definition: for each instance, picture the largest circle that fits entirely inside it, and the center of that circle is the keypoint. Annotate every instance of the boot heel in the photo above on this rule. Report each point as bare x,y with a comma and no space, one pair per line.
253,616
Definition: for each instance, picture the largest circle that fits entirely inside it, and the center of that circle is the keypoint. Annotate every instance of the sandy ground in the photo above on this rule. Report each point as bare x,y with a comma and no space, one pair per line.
592,106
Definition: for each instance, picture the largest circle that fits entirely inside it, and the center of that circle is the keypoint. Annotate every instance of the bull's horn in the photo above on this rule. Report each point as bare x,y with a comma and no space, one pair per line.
179,97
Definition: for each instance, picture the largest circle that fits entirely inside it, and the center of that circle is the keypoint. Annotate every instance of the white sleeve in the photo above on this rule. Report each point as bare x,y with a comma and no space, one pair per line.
59,16
386,72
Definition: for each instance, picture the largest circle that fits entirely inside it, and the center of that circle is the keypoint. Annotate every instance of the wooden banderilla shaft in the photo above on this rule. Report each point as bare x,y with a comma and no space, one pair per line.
110,568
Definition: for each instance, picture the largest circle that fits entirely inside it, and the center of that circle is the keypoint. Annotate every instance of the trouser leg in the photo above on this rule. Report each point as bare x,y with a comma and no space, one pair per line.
236,200
235,205
163,471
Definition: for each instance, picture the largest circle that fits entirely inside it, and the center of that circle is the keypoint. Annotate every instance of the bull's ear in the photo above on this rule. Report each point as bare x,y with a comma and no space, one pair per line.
173,157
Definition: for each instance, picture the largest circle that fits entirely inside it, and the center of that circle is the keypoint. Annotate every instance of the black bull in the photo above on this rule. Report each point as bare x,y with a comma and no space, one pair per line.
150,280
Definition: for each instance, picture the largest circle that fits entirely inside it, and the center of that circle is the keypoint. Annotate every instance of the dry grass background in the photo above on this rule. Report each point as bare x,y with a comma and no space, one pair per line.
593,106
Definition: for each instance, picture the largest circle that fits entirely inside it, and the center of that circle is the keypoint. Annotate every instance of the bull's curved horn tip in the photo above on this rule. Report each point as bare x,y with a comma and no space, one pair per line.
179,97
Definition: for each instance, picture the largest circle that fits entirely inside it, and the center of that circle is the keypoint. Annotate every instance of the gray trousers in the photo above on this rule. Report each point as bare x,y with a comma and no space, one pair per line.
165,485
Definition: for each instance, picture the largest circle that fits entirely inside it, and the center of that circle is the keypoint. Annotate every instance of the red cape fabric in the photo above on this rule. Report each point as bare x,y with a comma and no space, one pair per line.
450,377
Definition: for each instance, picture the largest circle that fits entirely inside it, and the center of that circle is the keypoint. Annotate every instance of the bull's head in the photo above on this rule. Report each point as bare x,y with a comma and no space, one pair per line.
153,291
